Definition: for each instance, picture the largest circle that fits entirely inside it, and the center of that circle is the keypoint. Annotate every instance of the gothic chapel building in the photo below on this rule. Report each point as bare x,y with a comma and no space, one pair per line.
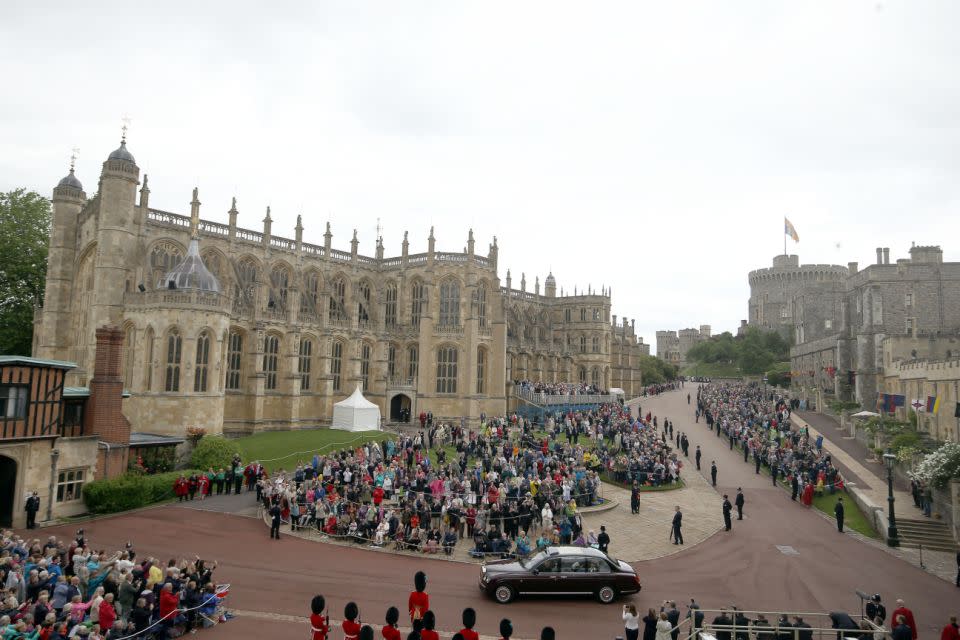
236,331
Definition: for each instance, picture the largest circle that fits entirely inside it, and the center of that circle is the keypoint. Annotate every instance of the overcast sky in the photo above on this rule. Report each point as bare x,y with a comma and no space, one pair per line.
651,147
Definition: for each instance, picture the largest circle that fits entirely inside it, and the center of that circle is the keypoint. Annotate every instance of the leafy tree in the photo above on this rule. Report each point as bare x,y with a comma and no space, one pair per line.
755,352
654,370
24,235
213,451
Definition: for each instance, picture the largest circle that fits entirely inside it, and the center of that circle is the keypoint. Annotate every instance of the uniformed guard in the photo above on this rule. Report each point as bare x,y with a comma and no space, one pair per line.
351,624
319,623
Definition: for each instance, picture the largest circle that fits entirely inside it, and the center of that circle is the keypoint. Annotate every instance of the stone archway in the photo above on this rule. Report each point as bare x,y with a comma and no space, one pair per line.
398,405
8,485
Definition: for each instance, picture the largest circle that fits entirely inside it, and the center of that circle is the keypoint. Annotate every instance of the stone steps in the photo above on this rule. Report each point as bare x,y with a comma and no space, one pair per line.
931,534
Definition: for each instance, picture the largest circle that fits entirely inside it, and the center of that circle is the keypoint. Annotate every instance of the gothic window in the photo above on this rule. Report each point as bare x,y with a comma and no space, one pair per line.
212,260
338,301
202,363
391,361
174,348
336,364
450,304
390,310
447,370
363,303
566,315
148,360
583,315
310,298
365,366
481,371
303,364
279,286
129,350
583,344
583,374
164,256
418,303
234,360
596,314
595,376
413,363
271,351
482,305
596,345
245,289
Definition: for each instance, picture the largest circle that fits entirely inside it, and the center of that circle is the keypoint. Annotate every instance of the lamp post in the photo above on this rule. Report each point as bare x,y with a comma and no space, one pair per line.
893,538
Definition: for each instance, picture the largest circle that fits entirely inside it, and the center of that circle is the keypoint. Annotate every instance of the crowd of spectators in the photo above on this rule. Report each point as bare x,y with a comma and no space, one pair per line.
559,388
60,589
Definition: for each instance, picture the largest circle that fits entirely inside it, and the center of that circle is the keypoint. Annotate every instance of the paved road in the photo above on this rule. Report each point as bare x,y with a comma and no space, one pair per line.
743,567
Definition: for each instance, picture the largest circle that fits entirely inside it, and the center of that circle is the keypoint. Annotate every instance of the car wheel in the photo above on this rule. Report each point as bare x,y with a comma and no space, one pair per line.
504,594
606,594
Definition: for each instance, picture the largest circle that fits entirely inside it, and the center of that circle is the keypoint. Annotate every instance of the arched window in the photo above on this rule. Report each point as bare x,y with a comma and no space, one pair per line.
482,305
202,363
390,310
481,370
418,303
596,344
595,376
174,348
311,294
271,351
365,366
413,363
234,360
245,289
304,363
129,351
566,315
148,359
583,374
338,301
447,370
279,286
450,304
164,256
391,361
363,303
336,364
583,344
583,315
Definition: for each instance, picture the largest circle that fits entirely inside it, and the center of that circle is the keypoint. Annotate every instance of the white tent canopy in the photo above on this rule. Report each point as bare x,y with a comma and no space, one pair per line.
356,413
865,414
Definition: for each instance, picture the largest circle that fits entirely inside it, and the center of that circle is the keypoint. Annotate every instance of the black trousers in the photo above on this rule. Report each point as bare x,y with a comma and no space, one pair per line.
31,519
726,521
739,512
275,530
840,525
677,535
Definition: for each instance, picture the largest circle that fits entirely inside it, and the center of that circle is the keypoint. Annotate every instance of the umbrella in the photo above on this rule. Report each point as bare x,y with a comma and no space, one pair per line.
865,414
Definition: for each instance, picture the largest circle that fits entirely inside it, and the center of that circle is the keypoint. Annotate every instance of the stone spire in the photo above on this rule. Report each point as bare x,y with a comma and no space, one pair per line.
470,242
144,192
195,214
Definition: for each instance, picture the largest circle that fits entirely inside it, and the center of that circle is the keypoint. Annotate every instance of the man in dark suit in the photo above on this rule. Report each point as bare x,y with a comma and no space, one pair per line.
838,512
698,455
31,507
727,508
713,472
675,530
722,620
794,487
739,502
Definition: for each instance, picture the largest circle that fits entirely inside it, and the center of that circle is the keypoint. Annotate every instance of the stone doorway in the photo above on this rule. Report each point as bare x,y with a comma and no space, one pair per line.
400,407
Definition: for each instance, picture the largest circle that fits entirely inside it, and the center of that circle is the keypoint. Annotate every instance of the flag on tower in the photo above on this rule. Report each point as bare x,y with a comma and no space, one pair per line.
789,230
933,404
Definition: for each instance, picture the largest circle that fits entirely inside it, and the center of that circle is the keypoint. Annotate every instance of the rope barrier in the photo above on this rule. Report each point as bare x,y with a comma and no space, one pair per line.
220,588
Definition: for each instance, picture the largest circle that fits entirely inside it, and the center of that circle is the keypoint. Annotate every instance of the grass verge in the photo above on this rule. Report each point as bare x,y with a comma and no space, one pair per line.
283,449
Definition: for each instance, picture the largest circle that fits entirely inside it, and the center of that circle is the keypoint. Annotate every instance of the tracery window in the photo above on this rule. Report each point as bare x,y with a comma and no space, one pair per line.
447,370
202,363
450,304
271,351
174,348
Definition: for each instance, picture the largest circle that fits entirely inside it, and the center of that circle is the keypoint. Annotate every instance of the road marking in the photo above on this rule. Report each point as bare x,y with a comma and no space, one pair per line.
787,550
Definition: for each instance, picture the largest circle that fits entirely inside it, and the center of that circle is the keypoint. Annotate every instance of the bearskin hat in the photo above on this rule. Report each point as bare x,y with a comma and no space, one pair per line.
351,611
506,628
393,615
469,618
457,636
366,632
420,580
317,604
548,634
429,620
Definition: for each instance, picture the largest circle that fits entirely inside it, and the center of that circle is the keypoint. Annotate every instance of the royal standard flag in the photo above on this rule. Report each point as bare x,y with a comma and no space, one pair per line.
789,230
933,404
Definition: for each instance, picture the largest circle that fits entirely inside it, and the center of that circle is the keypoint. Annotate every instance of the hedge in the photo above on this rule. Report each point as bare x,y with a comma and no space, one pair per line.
214,452
129,491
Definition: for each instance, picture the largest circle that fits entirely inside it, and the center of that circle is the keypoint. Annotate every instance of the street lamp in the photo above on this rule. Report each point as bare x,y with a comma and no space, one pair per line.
893,538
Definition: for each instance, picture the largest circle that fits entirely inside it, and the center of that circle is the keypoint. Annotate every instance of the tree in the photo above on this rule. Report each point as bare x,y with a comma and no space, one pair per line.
24,235
654,370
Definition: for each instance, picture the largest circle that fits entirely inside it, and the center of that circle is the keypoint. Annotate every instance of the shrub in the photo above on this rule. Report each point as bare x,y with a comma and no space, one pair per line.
213,451
129,491
939,467
905,440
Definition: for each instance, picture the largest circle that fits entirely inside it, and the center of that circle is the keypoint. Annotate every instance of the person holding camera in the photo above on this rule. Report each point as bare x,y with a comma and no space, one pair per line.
631,622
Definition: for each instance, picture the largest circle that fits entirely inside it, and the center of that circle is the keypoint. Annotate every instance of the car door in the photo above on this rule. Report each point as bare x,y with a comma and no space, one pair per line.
573,575
546,578
598,574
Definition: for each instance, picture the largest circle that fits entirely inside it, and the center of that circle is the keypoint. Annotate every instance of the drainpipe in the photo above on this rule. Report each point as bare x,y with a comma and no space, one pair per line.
106,458
54,456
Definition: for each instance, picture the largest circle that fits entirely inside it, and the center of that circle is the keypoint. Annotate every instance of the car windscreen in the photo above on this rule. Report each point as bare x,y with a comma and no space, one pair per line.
533,560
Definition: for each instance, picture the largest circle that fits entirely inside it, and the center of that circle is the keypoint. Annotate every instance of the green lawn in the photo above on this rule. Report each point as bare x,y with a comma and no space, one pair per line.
853,518
712,370
283,449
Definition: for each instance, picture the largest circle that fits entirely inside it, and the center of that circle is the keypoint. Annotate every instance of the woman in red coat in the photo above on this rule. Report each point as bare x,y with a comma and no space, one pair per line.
181,487
203,484
807,497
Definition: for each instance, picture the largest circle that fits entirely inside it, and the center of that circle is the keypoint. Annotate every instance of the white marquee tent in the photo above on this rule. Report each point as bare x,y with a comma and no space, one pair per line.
356,413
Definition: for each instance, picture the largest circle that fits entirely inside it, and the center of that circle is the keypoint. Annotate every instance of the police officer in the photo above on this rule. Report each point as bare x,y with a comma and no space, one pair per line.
727,508
739,502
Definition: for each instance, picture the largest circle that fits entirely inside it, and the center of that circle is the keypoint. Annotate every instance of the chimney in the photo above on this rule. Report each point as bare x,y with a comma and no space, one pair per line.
852,268
879,255
886,255
104,416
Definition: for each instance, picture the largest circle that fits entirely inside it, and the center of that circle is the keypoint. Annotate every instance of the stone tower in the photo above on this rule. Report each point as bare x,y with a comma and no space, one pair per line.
52,339
550,286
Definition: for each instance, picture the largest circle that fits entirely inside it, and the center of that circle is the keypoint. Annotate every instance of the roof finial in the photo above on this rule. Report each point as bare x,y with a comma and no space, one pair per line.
379,229
126,125
73,157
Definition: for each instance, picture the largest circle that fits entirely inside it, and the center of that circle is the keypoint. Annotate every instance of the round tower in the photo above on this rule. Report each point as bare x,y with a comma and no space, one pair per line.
550,286
68,200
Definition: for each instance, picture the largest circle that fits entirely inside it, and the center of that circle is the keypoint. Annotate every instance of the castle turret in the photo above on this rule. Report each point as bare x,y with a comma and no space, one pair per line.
550,286
68,200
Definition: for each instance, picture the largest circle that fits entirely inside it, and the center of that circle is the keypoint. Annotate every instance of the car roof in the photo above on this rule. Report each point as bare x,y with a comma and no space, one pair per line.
575,551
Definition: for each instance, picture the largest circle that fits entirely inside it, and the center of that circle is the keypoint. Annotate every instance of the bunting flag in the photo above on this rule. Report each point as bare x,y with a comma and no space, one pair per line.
789,230
889,402
933,404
